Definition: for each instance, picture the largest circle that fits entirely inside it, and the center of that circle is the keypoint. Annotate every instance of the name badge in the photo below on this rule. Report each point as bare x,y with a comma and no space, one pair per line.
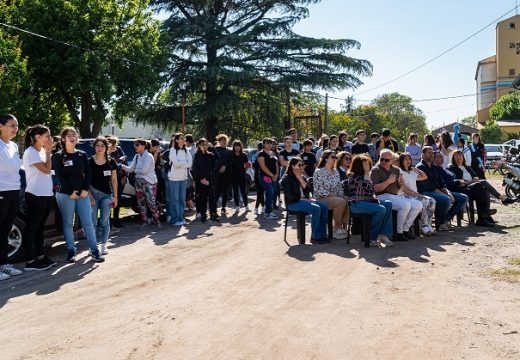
68,163
107,173
305,158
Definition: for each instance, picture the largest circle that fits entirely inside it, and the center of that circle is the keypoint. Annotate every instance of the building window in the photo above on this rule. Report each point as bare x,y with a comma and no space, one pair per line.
512,25
512,72
512,45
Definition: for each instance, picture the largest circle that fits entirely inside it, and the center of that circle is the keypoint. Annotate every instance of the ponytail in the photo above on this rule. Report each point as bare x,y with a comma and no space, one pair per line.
31,132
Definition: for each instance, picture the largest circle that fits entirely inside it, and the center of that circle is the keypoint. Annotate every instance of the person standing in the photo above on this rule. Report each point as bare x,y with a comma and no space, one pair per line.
446,147
260,198
308,157
293,133
286,154
386,142
118,155
478,156
267,161
73,171
37,162
204,178
413,149
9,189
237,172
372,147
461,145
222,169
343,143
181,161
145,183
103,188
360,147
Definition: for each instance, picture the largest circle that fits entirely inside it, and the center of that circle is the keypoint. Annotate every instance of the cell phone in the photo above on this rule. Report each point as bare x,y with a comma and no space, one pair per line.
267,179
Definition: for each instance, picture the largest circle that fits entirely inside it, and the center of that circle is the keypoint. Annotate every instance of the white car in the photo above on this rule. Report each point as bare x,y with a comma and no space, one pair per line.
495,152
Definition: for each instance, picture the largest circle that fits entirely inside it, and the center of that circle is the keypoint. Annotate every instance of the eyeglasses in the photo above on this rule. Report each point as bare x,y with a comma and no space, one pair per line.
299,165
385,160
333,157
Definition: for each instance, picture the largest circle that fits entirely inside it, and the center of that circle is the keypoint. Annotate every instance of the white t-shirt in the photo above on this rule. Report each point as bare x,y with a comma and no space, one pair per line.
465,174
38,183
410,179
10,164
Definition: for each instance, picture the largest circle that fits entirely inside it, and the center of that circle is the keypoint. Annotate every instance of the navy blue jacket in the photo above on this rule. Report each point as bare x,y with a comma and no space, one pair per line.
435,179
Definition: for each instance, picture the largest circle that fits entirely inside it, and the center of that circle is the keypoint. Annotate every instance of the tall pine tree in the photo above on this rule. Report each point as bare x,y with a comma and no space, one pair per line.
223,48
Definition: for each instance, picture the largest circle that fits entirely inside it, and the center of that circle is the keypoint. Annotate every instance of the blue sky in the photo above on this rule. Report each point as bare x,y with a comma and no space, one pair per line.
398,35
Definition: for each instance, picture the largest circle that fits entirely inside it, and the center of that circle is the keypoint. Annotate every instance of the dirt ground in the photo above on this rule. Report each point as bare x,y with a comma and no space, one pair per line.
238,291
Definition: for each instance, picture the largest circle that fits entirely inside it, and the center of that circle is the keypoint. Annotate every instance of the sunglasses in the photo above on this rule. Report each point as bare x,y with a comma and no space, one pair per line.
299,165
333,157
385,160
347,158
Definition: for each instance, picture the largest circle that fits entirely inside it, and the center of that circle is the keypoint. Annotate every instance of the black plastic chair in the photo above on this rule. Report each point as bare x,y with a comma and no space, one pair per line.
300,225
365,227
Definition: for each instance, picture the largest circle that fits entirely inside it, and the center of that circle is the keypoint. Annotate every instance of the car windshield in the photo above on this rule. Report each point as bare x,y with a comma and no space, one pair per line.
493,148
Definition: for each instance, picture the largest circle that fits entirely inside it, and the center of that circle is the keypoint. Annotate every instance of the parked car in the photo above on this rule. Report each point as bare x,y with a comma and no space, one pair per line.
495,152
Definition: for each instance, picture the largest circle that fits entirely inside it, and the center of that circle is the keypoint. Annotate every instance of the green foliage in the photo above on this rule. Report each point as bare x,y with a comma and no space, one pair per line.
91,77
491,133
506,108
225,49
470,121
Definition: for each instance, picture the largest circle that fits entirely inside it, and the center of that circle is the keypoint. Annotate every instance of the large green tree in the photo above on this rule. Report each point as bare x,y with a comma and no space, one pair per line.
111,65
225,48
506,108
401,116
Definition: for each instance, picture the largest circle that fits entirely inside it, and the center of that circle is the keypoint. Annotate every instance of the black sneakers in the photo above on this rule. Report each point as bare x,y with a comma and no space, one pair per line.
400,237
96,256
409,235
37,265
47,260
71,256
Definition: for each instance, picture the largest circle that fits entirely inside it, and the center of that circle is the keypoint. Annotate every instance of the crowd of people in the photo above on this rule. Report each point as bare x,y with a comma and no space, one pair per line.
433,181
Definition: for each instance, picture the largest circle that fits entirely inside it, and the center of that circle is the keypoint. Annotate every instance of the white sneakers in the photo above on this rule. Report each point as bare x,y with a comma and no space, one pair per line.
9,270
339,234
271,216
237,209
104,250
427,230
384,241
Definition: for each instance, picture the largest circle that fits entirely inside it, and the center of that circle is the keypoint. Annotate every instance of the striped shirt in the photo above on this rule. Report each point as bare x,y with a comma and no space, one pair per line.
360,189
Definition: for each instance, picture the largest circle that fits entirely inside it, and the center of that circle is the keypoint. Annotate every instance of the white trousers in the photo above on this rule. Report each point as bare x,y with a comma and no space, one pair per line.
407,210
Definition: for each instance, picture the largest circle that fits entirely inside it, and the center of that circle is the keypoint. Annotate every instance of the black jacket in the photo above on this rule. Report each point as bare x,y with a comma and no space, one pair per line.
458,172
203,167
291,189
435,179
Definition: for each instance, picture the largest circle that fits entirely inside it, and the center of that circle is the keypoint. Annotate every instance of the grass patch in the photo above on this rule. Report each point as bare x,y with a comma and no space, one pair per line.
509,275
515,261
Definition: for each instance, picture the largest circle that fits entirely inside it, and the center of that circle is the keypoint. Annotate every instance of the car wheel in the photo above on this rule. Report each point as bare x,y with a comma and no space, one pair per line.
15,249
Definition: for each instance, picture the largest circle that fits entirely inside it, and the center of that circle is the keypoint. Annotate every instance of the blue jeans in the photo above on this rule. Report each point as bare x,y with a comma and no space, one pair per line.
177,191
166,193
381,222
269,189
67,208
445,209
319,216
103,204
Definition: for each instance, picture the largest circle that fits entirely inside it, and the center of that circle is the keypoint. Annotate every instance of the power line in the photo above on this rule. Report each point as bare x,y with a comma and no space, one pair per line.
417,100
76,46
441,54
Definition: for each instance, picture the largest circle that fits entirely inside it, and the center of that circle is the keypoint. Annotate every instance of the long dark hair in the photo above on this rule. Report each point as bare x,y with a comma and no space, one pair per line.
31,132
200,141
295,160
428,140
446,140
63,135
4,118
176,137
238,143
453,162
342,139
356,166
401,161
104,141
326,154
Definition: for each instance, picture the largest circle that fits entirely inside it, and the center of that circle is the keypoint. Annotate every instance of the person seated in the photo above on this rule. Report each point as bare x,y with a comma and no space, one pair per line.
467,182
296,193
448,204
343,164
410,177
387,179
362,200
328,190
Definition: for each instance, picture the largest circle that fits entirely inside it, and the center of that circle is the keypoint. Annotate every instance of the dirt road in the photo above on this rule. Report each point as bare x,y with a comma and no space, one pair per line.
237,291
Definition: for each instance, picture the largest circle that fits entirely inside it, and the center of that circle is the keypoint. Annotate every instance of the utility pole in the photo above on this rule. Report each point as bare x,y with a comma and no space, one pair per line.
326,113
